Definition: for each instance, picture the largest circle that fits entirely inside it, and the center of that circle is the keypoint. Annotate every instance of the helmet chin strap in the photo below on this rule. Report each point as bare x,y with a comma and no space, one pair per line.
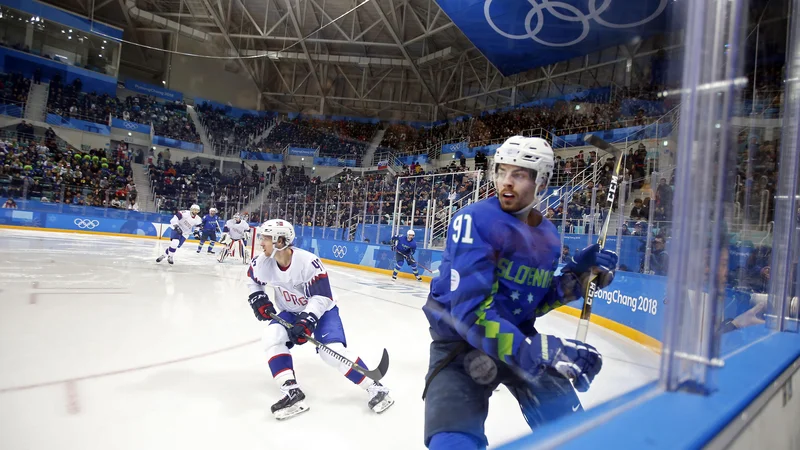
276,249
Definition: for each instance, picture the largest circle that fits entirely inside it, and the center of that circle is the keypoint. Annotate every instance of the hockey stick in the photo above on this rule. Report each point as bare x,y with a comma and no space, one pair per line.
374,374
410,260
591,286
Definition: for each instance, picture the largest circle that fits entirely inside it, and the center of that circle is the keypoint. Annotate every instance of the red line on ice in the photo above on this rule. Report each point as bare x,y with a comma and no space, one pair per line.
73,407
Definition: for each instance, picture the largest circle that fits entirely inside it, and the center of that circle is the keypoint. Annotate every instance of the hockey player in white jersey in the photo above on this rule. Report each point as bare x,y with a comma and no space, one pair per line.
303,294
234,239
183,224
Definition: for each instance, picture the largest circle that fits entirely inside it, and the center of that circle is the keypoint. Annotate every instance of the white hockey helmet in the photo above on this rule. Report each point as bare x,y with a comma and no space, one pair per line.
237,217
212,211
410,234
194,209
277,228
530,153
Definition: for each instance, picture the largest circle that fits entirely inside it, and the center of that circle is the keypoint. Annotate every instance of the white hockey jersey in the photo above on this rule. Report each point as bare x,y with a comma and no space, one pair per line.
303,286
185,221
236,230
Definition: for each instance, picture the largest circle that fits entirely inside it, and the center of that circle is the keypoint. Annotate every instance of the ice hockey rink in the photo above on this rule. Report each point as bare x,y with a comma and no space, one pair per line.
100,347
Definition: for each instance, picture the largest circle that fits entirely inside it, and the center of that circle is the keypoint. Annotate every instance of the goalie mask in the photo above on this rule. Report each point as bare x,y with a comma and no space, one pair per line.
237,217
276,229
534,154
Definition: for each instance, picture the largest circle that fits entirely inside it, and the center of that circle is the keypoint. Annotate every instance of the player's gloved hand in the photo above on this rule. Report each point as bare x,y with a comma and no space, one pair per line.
303,327
592,258
177,229
262,306
411,260
575,360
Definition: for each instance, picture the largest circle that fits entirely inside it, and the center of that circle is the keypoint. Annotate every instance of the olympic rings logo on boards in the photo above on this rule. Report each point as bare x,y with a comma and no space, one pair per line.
575,15
86,223
339,251
131,125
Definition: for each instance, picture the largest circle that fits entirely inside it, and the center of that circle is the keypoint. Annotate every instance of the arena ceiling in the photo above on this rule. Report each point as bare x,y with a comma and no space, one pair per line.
393,59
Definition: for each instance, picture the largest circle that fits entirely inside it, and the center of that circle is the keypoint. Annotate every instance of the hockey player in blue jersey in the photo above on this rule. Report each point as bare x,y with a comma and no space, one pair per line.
209,231
496,278
404,248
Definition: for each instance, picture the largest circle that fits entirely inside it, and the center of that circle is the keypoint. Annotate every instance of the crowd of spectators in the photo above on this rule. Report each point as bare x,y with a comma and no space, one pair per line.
169,119
352,198
14,89
31,170
564,117
177,185
229,135
338,139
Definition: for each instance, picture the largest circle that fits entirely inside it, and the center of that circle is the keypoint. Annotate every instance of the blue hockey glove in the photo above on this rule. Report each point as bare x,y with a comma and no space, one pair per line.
303,327
592,258
410,259
262,306
575,360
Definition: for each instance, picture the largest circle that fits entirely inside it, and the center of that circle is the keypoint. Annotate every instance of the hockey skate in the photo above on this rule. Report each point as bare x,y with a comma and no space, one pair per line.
379,398
169,259
160,258
293,402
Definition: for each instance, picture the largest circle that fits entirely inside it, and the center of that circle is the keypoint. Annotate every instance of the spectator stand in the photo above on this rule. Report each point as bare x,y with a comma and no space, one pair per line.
350,144
231,130
543,118
14,90
179,185
44,172
429,201
68,105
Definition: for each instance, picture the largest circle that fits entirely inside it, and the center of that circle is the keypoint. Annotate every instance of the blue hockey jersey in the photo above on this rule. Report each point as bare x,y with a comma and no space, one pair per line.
210,223
496,277
404,246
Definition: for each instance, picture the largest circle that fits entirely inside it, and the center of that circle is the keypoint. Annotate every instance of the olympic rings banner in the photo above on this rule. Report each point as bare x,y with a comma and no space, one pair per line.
130,126
520,35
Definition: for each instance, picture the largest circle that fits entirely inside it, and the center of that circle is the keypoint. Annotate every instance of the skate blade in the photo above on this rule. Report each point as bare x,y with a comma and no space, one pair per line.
383,405
286,413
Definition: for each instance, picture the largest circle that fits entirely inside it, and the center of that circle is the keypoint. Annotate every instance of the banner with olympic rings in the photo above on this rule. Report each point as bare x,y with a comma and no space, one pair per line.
130,126
521,35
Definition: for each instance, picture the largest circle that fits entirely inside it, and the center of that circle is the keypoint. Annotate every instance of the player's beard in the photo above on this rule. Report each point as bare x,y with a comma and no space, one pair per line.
515,203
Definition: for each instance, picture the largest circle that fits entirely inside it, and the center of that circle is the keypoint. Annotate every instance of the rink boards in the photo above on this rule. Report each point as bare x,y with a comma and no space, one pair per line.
632,306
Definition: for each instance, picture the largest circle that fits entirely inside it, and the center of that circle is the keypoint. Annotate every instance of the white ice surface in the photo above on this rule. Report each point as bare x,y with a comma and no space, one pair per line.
101,348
